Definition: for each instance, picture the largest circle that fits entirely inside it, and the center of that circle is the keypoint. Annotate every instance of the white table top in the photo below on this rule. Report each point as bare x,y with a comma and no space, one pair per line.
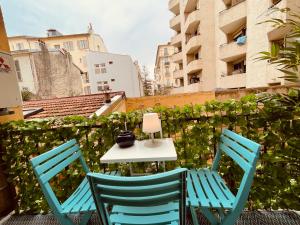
142,151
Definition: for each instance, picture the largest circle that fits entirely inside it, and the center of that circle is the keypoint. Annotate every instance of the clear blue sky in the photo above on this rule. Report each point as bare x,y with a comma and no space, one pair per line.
133,27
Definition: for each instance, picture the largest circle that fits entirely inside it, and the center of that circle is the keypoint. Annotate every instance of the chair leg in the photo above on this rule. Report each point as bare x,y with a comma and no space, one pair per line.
85,218
231,218
194,215
64,219
207,213
210,216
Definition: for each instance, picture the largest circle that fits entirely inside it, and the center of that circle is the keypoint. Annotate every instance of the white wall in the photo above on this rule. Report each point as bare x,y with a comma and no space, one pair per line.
26,72
122,70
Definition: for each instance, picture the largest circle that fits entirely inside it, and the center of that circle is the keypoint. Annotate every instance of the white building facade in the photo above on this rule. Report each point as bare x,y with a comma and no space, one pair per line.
118,72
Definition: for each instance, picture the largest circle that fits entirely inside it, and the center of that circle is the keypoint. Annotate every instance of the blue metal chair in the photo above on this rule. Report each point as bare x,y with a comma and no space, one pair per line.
207,190
154,199
51,163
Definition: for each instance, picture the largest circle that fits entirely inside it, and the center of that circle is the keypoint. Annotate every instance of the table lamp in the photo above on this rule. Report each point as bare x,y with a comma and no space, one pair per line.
151,124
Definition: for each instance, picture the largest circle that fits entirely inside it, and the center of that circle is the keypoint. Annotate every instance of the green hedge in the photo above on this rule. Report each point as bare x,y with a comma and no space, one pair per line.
272,121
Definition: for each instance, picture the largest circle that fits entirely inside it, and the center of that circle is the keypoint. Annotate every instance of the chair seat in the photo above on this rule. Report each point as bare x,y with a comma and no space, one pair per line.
208,190
82,200
163,214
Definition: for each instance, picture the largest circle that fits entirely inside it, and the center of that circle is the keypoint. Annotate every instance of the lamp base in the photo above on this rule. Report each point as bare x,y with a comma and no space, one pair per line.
153,143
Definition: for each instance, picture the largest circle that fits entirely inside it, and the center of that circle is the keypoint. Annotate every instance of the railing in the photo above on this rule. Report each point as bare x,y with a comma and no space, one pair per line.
195,131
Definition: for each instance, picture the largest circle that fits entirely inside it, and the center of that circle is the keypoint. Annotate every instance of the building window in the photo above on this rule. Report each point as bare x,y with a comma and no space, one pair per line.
19,46
110,62
168,83
57,47
239,67
240,33
103,70
83,44
100,68
68,45
102,86
97,69
87,90
112,80
166,51
98,48
18,69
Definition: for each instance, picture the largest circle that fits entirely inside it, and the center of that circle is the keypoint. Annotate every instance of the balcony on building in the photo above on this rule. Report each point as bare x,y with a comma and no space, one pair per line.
177,57
274,75
178,73
175,24
233,17
176,40
235,80
194,87
174,6
192,22
235,77
232,51
190,6
194,44
275,33
194,66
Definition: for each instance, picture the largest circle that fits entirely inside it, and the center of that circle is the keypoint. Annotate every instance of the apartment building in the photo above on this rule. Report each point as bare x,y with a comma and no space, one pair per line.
115,73
218,42
194,41
165,69
241,37
77,44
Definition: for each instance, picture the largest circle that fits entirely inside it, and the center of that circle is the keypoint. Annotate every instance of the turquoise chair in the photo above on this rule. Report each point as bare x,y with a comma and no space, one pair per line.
48,165
207,190
154,199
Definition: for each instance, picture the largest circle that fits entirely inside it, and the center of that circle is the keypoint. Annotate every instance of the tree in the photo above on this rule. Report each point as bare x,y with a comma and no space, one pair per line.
286,57
26,95
147,83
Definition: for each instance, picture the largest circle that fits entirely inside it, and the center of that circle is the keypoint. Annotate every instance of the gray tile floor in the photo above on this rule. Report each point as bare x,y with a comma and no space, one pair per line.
247,218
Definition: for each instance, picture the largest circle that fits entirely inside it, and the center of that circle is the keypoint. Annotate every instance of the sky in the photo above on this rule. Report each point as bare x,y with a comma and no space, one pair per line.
132,27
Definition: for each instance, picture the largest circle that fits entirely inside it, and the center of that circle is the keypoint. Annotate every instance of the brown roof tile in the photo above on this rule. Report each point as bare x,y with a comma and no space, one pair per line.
83,105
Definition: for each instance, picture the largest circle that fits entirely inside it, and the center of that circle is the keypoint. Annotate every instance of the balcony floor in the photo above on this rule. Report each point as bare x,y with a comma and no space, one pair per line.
249,218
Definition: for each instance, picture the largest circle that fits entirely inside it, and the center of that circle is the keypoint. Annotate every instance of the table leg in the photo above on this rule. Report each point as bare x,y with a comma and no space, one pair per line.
130,169
104,168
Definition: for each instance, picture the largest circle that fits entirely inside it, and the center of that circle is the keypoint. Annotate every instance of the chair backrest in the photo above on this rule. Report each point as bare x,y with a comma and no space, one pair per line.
142,191
245,153
51,163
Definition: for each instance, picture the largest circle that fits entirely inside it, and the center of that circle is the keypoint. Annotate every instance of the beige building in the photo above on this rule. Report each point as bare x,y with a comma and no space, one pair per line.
47,73
217,42
165,68
77,44
240,38
194,42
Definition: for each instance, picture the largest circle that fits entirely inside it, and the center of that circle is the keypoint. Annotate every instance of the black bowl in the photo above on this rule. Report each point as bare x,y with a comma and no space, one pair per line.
125,139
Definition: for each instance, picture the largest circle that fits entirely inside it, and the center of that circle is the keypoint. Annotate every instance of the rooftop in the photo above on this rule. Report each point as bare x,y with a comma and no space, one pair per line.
83,105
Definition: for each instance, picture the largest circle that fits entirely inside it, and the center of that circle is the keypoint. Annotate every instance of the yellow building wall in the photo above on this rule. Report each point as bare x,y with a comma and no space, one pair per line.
168,101
4,47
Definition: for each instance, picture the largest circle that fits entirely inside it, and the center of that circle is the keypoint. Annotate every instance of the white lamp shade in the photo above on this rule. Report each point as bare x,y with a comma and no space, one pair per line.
151,123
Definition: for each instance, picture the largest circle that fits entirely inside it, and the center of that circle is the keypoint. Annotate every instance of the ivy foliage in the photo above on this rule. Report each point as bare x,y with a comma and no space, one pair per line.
271,120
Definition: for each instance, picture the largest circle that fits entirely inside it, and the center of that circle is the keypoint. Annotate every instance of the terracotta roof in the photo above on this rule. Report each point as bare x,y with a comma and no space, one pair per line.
83,105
